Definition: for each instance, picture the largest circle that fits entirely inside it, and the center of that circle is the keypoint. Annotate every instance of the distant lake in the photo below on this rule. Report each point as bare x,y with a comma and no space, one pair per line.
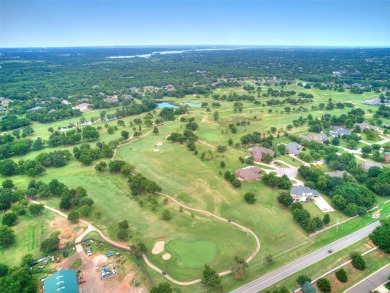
166,53
166,105
198,105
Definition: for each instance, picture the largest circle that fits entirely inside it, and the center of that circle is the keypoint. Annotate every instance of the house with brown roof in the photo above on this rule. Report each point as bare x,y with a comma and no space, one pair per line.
248,174
5,101
258,153
387,156
82,107
113,99
368,164
169,88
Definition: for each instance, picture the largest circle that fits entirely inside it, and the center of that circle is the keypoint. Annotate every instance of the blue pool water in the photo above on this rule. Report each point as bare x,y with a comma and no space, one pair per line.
166,105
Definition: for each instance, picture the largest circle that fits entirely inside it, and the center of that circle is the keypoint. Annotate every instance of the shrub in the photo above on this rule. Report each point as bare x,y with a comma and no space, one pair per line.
250,197
341,275
358,261
324,285
302,279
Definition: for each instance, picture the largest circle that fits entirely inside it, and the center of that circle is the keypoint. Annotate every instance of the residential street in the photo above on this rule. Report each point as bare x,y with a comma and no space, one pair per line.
303,262
371,282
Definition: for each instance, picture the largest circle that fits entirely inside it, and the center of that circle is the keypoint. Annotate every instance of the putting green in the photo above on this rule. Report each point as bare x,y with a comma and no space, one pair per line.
191,253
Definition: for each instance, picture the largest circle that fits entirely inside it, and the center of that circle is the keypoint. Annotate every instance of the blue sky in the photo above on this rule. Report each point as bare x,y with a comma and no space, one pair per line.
62,23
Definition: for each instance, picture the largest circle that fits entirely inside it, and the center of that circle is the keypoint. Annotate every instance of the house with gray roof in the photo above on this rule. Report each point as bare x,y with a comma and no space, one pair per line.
339,174
37,108
377,102
303,193
338,131
368,164
363,126
293,148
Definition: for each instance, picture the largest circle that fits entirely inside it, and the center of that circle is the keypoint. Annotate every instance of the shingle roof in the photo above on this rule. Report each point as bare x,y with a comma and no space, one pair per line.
302,190
249,173
293,147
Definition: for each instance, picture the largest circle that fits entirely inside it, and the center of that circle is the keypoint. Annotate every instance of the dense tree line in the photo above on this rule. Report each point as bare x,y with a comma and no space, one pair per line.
10,122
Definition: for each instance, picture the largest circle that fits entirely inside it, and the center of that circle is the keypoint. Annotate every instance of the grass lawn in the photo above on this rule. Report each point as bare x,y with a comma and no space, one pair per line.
30,232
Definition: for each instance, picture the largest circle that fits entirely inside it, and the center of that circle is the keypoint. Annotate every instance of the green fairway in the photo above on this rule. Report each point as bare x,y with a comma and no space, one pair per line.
192,254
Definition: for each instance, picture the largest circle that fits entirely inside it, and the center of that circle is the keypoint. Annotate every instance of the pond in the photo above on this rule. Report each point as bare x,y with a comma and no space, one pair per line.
166,105
198,105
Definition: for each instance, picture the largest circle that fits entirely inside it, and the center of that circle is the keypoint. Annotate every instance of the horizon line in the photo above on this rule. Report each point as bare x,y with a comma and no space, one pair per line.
201,45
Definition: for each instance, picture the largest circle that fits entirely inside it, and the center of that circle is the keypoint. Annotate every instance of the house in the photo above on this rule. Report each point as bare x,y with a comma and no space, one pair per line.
5,101
387,156
377,102
37,108
61,281
258,152
339,131
169,88
82,107
339,174
318,137
150,88
65,102
113,99
2,109
368,164
293,148
364,126
303,193
128,97
248,174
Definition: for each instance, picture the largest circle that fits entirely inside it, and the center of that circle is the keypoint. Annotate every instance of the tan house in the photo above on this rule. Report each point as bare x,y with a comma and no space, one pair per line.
318,137
113,99
368,164
82,107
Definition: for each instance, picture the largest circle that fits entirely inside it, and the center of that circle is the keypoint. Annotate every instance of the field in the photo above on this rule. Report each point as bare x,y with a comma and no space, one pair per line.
30,232
193,239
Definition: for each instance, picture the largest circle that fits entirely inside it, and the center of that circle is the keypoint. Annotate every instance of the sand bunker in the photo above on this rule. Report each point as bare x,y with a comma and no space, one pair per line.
158,247
156,150
159,144
166,256
377,214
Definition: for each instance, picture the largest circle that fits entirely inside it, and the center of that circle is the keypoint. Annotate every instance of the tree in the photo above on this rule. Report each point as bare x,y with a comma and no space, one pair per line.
307,288
250,197
27,260
9,219
341,275
236,183
101,166
285,198
162,288
36,209
269,259
125,134
326,219
221,148
267,158
230,141
381,235
84,210
210,277
155,130
302,279
123,234
50,244
324,285
7,236
216,115
166,215
74,216
124,225
239,268
358,261
3,270
8,184
222,164
90,133
115,165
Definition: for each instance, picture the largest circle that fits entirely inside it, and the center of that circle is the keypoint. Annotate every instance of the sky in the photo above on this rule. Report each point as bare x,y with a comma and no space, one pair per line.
70,23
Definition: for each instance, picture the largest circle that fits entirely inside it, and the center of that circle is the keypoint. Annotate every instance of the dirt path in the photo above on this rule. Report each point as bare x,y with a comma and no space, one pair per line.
91,228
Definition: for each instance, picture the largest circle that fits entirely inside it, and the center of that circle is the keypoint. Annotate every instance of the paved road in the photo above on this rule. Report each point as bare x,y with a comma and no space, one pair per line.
371,282
303,262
